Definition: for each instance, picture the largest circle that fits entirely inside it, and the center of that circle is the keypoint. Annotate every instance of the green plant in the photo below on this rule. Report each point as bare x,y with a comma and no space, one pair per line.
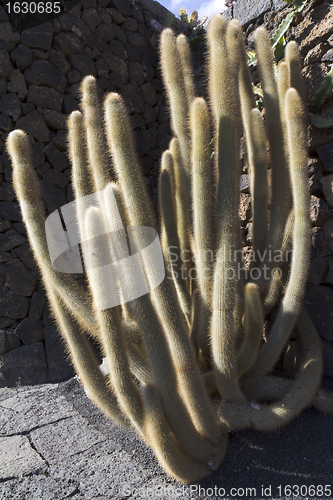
187,360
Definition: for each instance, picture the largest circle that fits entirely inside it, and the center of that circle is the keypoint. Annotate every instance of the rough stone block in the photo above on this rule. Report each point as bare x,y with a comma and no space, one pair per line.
247,11
23,366
19,458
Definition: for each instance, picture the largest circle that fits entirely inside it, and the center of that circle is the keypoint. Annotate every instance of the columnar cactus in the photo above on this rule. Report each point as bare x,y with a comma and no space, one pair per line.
187,359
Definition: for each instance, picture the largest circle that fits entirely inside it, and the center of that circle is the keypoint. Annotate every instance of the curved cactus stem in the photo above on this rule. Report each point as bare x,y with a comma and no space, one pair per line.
280,177
85,362
253,326
157,432
224,97
283,84
301,237
96,145
293,59
170,225
300,395
25,181
259,190
139,364
202,198
182,209
184,51
173,77
164,296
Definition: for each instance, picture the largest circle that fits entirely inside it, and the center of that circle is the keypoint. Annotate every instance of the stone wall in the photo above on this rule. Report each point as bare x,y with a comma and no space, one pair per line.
117,41
40,74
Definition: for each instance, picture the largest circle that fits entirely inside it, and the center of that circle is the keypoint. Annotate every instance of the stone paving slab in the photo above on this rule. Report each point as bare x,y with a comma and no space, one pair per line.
62,447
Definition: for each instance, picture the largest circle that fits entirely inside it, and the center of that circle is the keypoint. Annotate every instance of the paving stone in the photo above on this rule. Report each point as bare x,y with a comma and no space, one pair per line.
35,406
58,366
20,279
38,487
45,97
30,331
53,197
39,37
19,458
319,303
45,73
32,123
74,431
21,57
23,366
68,44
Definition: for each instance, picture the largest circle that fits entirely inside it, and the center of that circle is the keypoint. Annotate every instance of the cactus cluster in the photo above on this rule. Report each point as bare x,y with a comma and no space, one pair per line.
192,357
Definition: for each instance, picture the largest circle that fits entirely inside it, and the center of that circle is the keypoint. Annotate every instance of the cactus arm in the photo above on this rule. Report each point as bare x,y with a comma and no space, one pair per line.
280,177
259,191
202,197
184,51
95,137
170,224
85,362
253,326
223,89
300,395
157,430
297,142
164,296
293,60
127,392
182,209
25,181
175,86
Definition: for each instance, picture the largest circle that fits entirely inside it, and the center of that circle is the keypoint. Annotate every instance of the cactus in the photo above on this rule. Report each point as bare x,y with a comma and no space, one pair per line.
187,359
